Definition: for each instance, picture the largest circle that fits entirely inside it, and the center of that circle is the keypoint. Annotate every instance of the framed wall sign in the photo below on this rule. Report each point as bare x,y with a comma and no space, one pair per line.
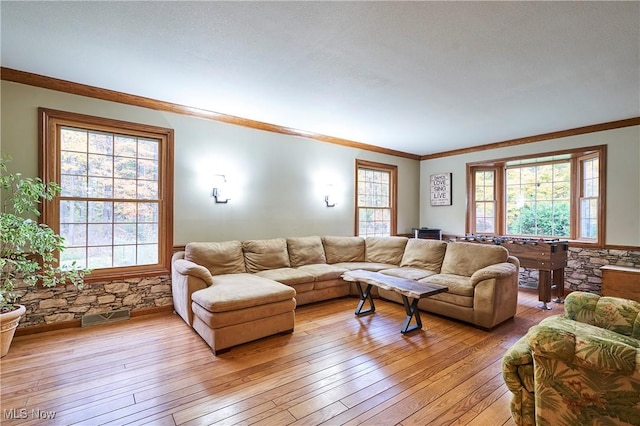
440,186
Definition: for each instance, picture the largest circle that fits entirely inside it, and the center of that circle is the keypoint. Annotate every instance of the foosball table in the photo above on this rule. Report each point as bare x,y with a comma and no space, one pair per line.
548,256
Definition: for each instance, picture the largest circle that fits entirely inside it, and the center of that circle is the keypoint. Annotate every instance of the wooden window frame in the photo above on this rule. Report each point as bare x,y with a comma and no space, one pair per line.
49,166
497,189
576,157
393,192
579,194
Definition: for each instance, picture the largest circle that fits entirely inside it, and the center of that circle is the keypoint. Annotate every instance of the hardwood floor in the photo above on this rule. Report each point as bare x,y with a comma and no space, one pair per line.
334,369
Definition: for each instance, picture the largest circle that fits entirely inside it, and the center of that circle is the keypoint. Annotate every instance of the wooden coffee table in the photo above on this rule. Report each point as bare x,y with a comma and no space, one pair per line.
408,289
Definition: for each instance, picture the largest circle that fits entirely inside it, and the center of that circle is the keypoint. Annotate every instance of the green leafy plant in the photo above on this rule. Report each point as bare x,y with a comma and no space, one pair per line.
28,249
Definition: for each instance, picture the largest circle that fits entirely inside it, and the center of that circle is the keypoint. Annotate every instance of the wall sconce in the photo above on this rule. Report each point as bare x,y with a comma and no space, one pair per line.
330,198
220,193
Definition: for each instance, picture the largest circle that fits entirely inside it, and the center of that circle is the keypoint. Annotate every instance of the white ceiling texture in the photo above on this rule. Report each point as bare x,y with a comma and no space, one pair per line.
418,77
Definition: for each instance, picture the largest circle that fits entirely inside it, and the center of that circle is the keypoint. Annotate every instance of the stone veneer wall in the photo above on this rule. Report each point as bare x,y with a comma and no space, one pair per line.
67,303
583,268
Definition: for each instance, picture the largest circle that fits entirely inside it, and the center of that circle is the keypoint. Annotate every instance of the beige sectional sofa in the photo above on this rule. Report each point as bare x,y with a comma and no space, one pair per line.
237,291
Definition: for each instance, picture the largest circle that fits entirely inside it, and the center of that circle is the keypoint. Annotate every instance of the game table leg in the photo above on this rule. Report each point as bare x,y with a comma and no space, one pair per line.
558,285
544,289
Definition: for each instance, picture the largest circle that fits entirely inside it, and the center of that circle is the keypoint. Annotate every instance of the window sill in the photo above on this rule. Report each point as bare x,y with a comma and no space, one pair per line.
119,274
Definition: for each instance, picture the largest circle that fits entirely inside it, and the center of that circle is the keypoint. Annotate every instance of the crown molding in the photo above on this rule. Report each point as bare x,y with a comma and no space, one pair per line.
635,121
22,77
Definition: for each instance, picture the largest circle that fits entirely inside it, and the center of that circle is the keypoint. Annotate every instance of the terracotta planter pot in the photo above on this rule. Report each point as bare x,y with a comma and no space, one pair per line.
8,324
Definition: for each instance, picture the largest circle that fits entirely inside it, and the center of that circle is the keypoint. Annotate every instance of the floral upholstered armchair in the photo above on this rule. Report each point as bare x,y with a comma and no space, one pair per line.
580,368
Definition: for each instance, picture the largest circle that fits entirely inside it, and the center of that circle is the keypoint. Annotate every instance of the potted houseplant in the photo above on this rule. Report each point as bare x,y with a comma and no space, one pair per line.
28,249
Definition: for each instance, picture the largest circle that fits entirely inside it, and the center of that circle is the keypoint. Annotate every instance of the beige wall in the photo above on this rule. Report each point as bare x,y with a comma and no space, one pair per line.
623,182
279,180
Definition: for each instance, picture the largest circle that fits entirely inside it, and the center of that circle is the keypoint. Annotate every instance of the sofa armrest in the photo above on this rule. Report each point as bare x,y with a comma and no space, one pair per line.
517,366
186,278
497,271
514,261
495,294
517,372
185,267
584,351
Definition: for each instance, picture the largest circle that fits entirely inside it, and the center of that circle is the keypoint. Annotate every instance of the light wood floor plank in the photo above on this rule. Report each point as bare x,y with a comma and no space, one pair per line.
496,413
334,369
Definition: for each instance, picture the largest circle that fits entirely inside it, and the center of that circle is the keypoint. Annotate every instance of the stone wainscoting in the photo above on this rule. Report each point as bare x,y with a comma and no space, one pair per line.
583,268
47,306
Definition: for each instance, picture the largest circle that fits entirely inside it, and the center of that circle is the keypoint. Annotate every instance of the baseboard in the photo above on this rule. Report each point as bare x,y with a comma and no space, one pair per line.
25,331
150,311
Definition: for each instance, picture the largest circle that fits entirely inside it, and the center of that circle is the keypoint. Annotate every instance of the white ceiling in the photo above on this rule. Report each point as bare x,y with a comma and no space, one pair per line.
419,77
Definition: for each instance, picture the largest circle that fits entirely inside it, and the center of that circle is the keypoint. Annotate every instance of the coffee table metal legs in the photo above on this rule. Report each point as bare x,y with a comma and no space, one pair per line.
412,312
364,296
411,308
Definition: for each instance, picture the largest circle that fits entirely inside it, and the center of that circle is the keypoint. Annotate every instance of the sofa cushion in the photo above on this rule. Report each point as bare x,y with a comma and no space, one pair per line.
218,257
464,259
323,272
619,315
385,249
343,249
217,320
460,292
301,288
305,251
457,284
578,328
616,314
239,291
367,266
260,255
424,254
289,276
457,301
586,345
408,273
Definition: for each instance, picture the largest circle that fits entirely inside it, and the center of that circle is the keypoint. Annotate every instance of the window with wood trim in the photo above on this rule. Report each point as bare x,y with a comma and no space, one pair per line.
114,210
589,181
484,184
538,199
553,195
376,188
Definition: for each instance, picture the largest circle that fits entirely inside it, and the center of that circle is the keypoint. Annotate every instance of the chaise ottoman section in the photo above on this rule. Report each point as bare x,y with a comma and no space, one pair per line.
239,308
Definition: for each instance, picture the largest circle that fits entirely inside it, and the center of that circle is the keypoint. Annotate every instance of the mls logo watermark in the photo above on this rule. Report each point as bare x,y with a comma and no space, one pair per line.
26,414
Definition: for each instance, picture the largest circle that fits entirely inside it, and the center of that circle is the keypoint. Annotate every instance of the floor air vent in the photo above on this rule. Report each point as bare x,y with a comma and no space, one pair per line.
105,317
